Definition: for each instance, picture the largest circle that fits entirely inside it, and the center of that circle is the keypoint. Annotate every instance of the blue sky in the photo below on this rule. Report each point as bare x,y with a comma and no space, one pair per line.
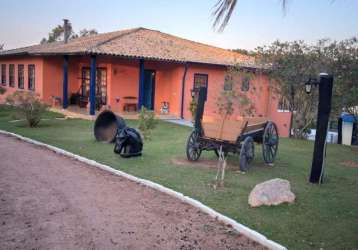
254,22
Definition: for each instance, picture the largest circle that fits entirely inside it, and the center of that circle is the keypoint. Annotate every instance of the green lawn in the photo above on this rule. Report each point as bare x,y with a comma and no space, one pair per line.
323,216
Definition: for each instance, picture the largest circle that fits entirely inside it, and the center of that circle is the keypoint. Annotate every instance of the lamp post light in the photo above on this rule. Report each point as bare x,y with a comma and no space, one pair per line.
192,92
325,84
309,83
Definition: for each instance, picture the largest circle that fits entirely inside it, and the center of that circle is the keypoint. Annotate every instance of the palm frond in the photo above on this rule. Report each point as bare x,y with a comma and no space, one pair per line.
223,10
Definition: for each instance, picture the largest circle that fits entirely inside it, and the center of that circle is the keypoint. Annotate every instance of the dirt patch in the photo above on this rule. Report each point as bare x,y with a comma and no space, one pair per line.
354,148
350,164
202,163
48,201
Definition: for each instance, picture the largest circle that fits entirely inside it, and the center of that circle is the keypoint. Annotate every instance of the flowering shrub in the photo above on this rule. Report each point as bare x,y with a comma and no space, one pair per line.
28,106
2,90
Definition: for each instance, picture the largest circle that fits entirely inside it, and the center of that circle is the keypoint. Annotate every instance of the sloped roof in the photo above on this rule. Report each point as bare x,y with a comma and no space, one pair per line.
139,43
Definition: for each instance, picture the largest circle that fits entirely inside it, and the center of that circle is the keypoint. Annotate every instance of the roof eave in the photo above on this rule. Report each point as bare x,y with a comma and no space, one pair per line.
82,53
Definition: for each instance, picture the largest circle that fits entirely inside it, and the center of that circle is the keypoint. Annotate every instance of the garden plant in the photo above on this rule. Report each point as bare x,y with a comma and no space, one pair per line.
28,106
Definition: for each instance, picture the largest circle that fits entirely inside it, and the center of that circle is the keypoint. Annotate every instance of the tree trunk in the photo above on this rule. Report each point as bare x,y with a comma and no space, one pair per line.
291,108
290,135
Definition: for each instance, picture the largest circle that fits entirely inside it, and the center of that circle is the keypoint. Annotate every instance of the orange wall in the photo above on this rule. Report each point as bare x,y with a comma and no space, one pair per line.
215,80
265,102
168,81
52,78
37,61
123,80
282,119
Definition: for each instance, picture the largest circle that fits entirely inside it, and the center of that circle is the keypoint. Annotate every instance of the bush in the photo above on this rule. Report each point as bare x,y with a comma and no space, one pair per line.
147,123
2,90
28,106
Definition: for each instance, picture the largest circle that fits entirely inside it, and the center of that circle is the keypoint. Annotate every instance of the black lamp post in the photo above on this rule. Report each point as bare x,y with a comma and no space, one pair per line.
325,84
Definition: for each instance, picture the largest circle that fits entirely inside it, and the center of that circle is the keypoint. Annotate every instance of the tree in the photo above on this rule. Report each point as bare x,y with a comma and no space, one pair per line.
57,34
245,52
88,32
293,63
223,10
343,64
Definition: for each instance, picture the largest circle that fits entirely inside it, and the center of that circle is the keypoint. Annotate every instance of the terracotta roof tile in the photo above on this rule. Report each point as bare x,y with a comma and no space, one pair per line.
140,43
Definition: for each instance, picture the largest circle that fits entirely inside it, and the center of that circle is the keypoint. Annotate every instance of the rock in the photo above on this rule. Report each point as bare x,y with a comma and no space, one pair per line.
271,192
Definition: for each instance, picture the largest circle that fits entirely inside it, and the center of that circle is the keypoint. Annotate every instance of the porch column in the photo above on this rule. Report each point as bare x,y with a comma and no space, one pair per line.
141,84
65,83
93,85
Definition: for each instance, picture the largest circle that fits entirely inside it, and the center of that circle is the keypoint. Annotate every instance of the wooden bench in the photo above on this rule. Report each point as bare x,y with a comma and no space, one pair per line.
130,104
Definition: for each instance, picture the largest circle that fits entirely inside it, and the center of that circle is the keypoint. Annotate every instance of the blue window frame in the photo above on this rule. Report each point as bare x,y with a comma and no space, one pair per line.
3,74
20,76
12,75
31,77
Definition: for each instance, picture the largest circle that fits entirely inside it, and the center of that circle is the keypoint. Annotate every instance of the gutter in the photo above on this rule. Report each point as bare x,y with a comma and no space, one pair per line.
183,91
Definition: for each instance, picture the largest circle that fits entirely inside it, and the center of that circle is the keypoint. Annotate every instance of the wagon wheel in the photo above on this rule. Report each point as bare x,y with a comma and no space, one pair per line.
193,150
270,143
247,153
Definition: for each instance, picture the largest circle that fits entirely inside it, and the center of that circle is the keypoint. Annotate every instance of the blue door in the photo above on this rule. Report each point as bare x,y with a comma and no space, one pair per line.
149,89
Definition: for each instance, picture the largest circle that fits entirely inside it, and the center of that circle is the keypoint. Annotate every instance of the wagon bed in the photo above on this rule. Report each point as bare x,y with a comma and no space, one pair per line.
235,135
230,129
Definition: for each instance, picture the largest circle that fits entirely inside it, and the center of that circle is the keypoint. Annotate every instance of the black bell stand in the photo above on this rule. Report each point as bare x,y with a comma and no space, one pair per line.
324,109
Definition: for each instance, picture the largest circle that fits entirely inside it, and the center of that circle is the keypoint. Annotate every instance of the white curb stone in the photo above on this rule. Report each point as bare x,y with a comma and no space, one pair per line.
220,217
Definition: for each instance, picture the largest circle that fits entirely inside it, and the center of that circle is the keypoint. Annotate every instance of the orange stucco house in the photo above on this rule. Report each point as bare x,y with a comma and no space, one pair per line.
127,69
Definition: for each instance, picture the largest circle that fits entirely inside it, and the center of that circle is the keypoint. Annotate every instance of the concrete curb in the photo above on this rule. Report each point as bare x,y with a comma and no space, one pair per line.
211,212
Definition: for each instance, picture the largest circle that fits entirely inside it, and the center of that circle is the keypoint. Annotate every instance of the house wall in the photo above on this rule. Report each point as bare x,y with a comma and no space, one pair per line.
264,100
124,83
37,61
53,75
52,78
281,118
123,80
167,85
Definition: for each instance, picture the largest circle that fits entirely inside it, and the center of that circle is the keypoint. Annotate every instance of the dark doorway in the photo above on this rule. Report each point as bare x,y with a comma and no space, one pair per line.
101,87
200,80
149,89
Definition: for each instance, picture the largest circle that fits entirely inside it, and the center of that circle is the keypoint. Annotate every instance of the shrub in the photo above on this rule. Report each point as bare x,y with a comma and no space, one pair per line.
28,106
2,90
147,123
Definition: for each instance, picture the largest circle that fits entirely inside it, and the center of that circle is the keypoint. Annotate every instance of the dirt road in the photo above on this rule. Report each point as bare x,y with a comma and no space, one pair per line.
48,201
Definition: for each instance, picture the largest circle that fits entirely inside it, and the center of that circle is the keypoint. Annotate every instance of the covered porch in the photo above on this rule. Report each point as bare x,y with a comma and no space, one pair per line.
74,111
96,82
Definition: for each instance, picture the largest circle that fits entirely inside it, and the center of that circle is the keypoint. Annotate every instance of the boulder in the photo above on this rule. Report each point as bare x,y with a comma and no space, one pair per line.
271,192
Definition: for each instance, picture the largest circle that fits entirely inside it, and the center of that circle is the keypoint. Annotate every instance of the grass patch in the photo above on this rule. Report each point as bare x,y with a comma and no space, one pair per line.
323,216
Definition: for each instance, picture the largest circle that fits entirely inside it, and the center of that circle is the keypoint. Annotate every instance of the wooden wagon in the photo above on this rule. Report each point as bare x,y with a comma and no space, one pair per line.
235,136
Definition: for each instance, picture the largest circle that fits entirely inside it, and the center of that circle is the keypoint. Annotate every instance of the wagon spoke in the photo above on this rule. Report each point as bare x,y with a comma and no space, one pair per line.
272,151
193,150
270,142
